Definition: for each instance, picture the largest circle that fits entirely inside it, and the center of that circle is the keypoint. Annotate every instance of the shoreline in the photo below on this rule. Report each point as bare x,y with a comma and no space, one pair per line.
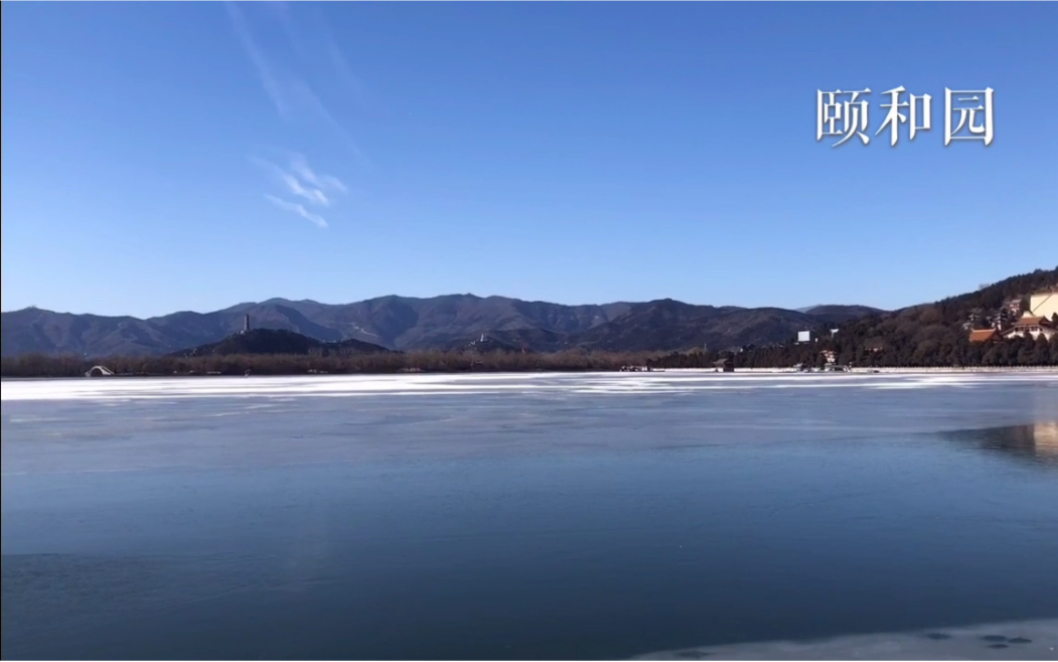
641,373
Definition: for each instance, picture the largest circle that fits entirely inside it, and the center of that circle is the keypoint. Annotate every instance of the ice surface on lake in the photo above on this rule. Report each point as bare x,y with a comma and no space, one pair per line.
1027,640
674,382
531,516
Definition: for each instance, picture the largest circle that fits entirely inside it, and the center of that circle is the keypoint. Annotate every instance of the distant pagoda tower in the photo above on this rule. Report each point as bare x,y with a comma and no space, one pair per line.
246,323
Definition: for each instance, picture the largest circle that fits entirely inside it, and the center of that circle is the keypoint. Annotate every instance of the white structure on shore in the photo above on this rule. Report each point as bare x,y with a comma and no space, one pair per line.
1032,326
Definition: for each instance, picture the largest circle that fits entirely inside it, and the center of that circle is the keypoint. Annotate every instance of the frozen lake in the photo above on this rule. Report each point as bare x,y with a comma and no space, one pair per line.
675,514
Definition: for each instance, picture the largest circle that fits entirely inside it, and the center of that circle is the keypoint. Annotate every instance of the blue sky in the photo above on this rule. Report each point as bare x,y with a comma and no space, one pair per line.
173,156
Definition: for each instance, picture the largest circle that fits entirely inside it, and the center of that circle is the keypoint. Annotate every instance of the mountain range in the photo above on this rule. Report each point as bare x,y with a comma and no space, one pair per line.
442,322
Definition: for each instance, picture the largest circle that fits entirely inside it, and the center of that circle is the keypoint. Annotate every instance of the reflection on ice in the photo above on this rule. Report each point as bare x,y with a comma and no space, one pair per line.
1038,441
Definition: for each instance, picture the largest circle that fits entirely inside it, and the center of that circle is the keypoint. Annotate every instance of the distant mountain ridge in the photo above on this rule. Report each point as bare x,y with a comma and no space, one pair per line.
839,314
408,323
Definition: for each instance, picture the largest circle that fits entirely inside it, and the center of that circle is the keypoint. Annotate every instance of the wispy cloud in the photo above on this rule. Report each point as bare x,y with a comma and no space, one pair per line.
320,47
313,195
290,93
303,53
302,181
297,208
314,107
326,182
351,81
268,78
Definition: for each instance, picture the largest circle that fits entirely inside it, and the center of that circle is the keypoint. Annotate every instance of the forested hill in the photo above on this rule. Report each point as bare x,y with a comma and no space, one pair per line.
935,334
280,341
991,297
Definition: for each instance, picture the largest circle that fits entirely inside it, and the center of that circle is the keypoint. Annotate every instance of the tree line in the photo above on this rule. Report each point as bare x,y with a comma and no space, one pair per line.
944,352
39,365
895,352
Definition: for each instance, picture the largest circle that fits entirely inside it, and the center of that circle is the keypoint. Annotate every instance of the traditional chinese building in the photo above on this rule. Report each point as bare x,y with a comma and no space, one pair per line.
1031,325
984,335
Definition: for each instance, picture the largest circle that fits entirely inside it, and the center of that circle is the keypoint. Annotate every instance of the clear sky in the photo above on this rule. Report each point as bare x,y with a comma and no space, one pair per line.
172,156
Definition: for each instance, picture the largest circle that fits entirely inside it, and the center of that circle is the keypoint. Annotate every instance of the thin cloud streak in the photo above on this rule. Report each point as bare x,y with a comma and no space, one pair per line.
352,81
313,195
313,103
292,91
322,39
301,167
302,181
298,209
264,71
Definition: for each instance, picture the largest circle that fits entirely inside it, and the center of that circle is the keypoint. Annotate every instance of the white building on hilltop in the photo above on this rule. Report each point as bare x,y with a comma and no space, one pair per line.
1044,304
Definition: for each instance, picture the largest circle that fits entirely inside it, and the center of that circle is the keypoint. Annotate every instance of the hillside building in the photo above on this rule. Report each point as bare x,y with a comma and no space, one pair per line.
984,335
1044,304
1031,325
